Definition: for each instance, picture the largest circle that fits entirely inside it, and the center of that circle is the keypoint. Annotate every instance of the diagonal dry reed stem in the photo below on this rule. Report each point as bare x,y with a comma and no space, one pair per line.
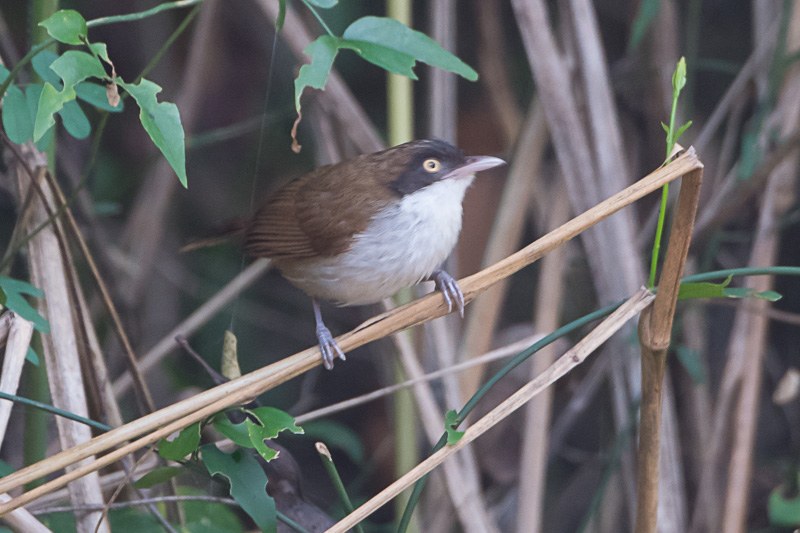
241,390
572,358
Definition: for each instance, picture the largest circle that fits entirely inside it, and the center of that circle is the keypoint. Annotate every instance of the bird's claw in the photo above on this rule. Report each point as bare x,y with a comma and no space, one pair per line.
448,285
328,347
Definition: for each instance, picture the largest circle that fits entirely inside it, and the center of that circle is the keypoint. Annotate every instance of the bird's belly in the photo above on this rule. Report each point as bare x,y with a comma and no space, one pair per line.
401,247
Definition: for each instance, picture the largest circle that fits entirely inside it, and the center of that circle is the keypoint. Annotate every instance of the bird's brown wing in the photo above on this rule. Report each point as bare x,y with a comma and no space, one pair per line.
274,231
316,215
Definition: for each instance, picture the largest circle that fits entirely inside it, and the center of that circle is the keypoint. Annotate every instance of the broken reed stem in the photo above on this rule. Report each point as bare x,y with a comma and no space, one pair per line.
655,328
241,390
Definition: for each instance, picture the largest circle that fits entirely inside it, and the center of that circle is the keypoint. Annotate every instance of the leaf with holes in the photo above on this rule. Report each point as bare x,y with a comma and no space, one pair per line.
72,67
248,483
450,425
271,422
323,51
185,443
236,432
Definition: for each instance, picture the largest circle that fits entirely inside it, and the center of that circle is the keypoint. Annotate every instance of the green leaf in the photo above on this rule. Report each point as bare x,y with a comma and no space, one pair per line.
14,290
74,120
95,94
323,51
324,4
50,102
665,127
274,420
747,292
162,121
101,50
32,96
185,443
207,517
703,290
32,357
648,11
281,15
450,425
271,422
681,130
784,512
236,432
41,65
44,143
394,35
16,120
72,67
386,58
157,476
690,359
258,434
770,296
67,26
248,483
75,66
721,290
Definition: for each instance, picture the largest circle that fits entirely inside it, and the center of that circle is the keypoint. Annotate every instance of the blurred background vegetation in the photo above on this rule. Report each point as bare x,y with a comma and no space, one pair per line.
730,356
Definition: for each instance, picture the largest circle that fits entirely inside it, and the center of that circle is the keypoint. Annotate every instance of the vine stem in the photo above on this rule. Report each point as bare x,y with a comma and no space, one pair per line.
142,14
318,17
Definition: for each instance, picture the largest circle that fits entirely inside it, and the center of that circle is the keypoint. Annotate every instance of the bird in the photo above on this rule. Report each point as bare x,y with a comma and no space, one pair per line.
358,231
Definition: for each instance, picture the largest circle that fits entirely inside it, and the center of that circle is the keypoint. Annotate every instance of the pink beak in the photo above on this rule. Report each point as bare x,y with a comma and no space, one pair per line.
475,164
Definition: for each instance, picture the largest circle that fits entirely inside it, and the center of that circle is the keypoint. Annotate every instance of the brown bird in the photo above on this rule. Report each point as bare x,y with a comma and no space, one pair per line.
358,231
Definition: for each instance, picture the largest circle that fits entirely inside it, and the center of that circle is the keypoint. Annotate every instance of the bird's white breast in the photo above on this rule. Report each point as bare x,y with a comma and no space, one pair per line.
403,244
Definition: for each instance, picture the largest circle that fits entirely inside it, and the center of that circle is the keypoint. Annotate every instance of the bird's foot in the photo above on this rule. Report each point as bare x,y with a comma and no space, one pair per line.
328,347
450,290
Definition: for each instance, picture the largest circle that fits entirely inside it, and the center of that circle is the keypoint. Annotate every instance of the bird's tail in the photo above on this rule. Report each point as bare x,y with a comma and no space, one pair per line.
234,228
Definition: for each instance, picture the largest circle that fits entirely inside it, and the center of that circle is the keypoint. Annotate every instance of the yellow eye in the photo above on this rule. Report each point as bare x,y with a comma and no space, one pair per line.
432,165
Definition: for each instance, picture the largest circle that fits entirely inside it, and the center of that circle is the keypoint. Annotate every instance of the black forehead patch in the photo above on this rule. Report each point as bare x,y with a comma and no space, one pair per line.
414,177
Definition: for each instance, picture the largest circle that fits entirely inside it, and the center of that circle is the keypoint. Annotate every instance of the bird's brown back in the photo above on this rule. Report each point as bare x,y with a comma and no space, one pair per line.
317,214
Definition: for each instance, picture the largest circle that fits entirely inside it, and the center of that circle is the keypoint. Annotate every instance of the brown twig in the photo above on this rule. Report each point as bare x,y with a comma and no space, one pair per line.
655,329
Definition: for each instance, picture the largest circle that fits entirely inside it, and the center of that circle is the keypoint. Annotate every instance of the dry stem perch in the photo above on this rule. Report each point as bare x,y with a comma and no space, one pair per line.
181,414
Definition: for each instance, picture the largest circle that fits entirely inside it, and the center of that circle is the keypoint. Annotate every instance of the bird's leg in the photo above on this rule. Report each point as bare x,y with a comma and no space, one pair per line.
327,345
450,289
